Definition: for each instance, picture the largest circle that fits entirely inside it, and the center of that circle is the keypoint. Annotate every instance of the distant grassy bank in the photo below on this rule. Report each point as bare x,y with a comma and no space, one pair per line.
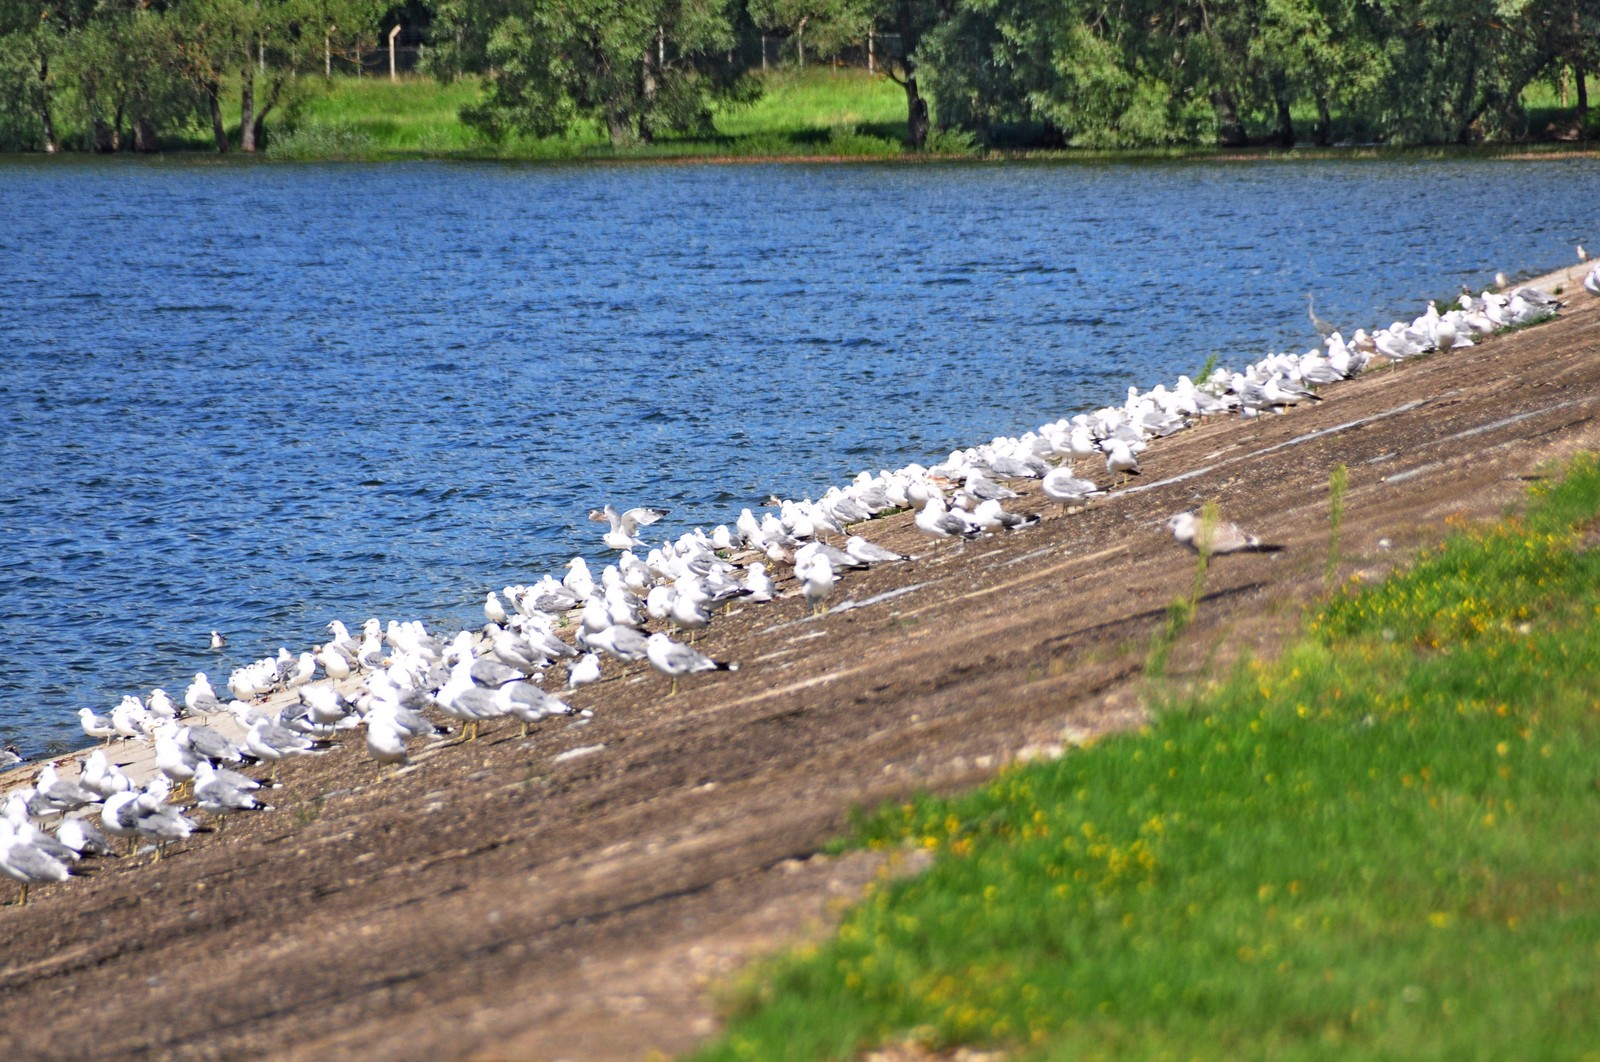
816,111
1379,845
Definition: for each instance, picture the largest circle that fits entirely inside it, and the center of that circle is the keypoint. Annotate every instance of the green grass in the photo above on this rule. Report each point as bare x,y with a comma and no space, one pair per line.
1380,845
808,109
815,112
416,115
812,112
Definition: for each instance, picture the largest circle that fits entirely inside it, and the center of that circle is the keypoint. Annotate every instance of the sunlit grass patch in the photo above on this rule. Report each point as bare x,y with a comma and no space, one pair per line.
1381,843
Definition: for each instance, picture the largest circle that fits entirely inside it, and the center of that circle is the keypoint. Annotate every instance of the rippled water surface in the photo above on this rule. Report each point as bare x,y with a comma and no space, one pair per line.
258,398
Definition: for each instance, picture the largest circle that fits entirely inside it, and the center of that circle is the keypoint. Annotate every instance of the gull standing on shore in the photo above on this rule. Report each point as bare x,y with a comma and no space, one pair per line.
674,659
1063,486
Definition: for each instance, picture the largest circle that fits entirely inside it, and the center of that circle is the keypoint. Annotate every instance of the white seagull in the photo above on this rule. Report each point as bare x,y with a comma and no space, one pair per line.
625,526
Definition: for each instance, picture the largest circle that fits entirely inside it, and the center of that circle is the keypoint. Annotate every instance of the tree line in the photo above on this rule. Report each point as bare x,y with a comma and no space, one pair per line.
1090,73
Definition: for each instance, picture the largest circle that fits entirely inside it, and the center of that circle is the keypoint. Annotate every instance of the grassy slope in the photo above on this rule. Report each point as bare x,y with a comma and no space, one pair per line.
1381,844
810,112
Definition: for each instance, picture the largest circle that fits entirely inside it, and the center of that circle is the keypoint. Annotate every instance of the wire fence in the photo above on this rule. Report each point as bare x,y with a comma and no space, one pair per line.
374,62
870,54
776,52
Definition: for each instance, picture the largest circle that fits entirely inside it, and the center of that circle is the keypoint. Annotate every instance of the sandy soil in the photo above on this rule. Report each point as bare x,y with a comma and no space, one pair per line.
581,894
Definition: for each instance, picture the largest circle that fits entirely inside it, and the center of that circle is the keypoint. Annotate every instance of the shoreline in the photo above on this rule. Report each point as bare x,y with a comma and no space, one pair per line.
1518,151
1559,281
701,810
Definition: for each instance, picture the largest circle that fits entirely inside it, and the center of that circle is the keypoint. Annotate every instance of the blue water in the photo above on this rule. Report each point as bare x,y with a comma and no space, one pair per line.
258,398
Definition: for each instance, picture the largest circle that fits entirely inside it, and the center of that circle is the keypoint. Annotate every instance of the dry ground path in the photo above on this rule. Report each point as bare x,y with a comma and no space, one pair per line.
579,894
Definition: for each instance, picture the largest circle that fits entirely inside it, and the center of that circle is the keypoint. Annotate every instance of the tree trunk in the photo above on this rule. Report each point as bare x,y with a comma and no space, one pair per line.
1582,86
273,96
916,106
800,42
247,109
106,140
218,132
104,134
620,127
47,124
145,138
916,117
1230,130
1283,135
647,93
1323,132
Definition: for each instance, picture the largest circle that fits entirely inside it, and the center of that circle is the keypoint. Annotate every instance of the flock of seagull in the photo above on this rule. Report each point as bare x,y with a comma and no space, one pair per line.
390,684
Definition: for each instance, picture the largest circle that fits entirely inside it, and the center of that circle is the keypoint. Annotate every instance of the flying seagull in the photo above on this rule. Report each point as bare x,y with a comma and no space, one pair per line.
624,533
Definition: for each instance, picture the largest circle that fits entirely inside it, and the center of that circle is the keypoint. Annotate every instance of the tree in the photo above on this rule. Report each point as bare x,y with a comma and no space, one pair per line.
123,62
828,25
1093,74
36,34
638,67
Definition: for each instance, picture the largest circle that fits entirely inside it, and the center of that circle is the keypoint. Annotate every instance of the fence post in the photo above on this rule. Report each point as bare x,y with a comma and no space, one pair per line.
392,35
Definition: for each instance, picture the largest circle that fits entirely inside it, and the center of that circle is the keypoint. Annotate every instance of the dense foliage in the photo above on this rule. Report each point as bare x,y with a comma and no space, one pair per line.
117,74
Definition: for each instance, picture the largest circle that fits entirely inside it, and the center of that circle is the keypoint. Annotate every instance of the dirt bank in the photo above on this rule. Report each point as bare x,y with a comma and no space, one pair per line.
573,895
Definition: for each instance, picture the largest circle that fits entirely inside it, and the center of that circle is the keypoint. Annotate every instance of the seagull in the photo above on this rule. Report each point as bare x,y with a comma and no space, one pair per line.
135,815
176,761
268,741
816,577
386,741
493,610
218,641
864,552
1318,323
217,796
530,704
1591,282
55,795
26,863
1121,459
990,516
674,659
100,776
83,837
471,704
1221,537
585,669
625,526
96,726
934,519
624,643
758,582
1062,486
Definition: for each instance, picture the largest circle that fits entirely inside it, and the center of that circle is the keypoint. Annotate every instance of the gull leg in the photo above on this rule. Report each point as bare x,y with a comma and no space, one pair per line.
24,901
673,692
